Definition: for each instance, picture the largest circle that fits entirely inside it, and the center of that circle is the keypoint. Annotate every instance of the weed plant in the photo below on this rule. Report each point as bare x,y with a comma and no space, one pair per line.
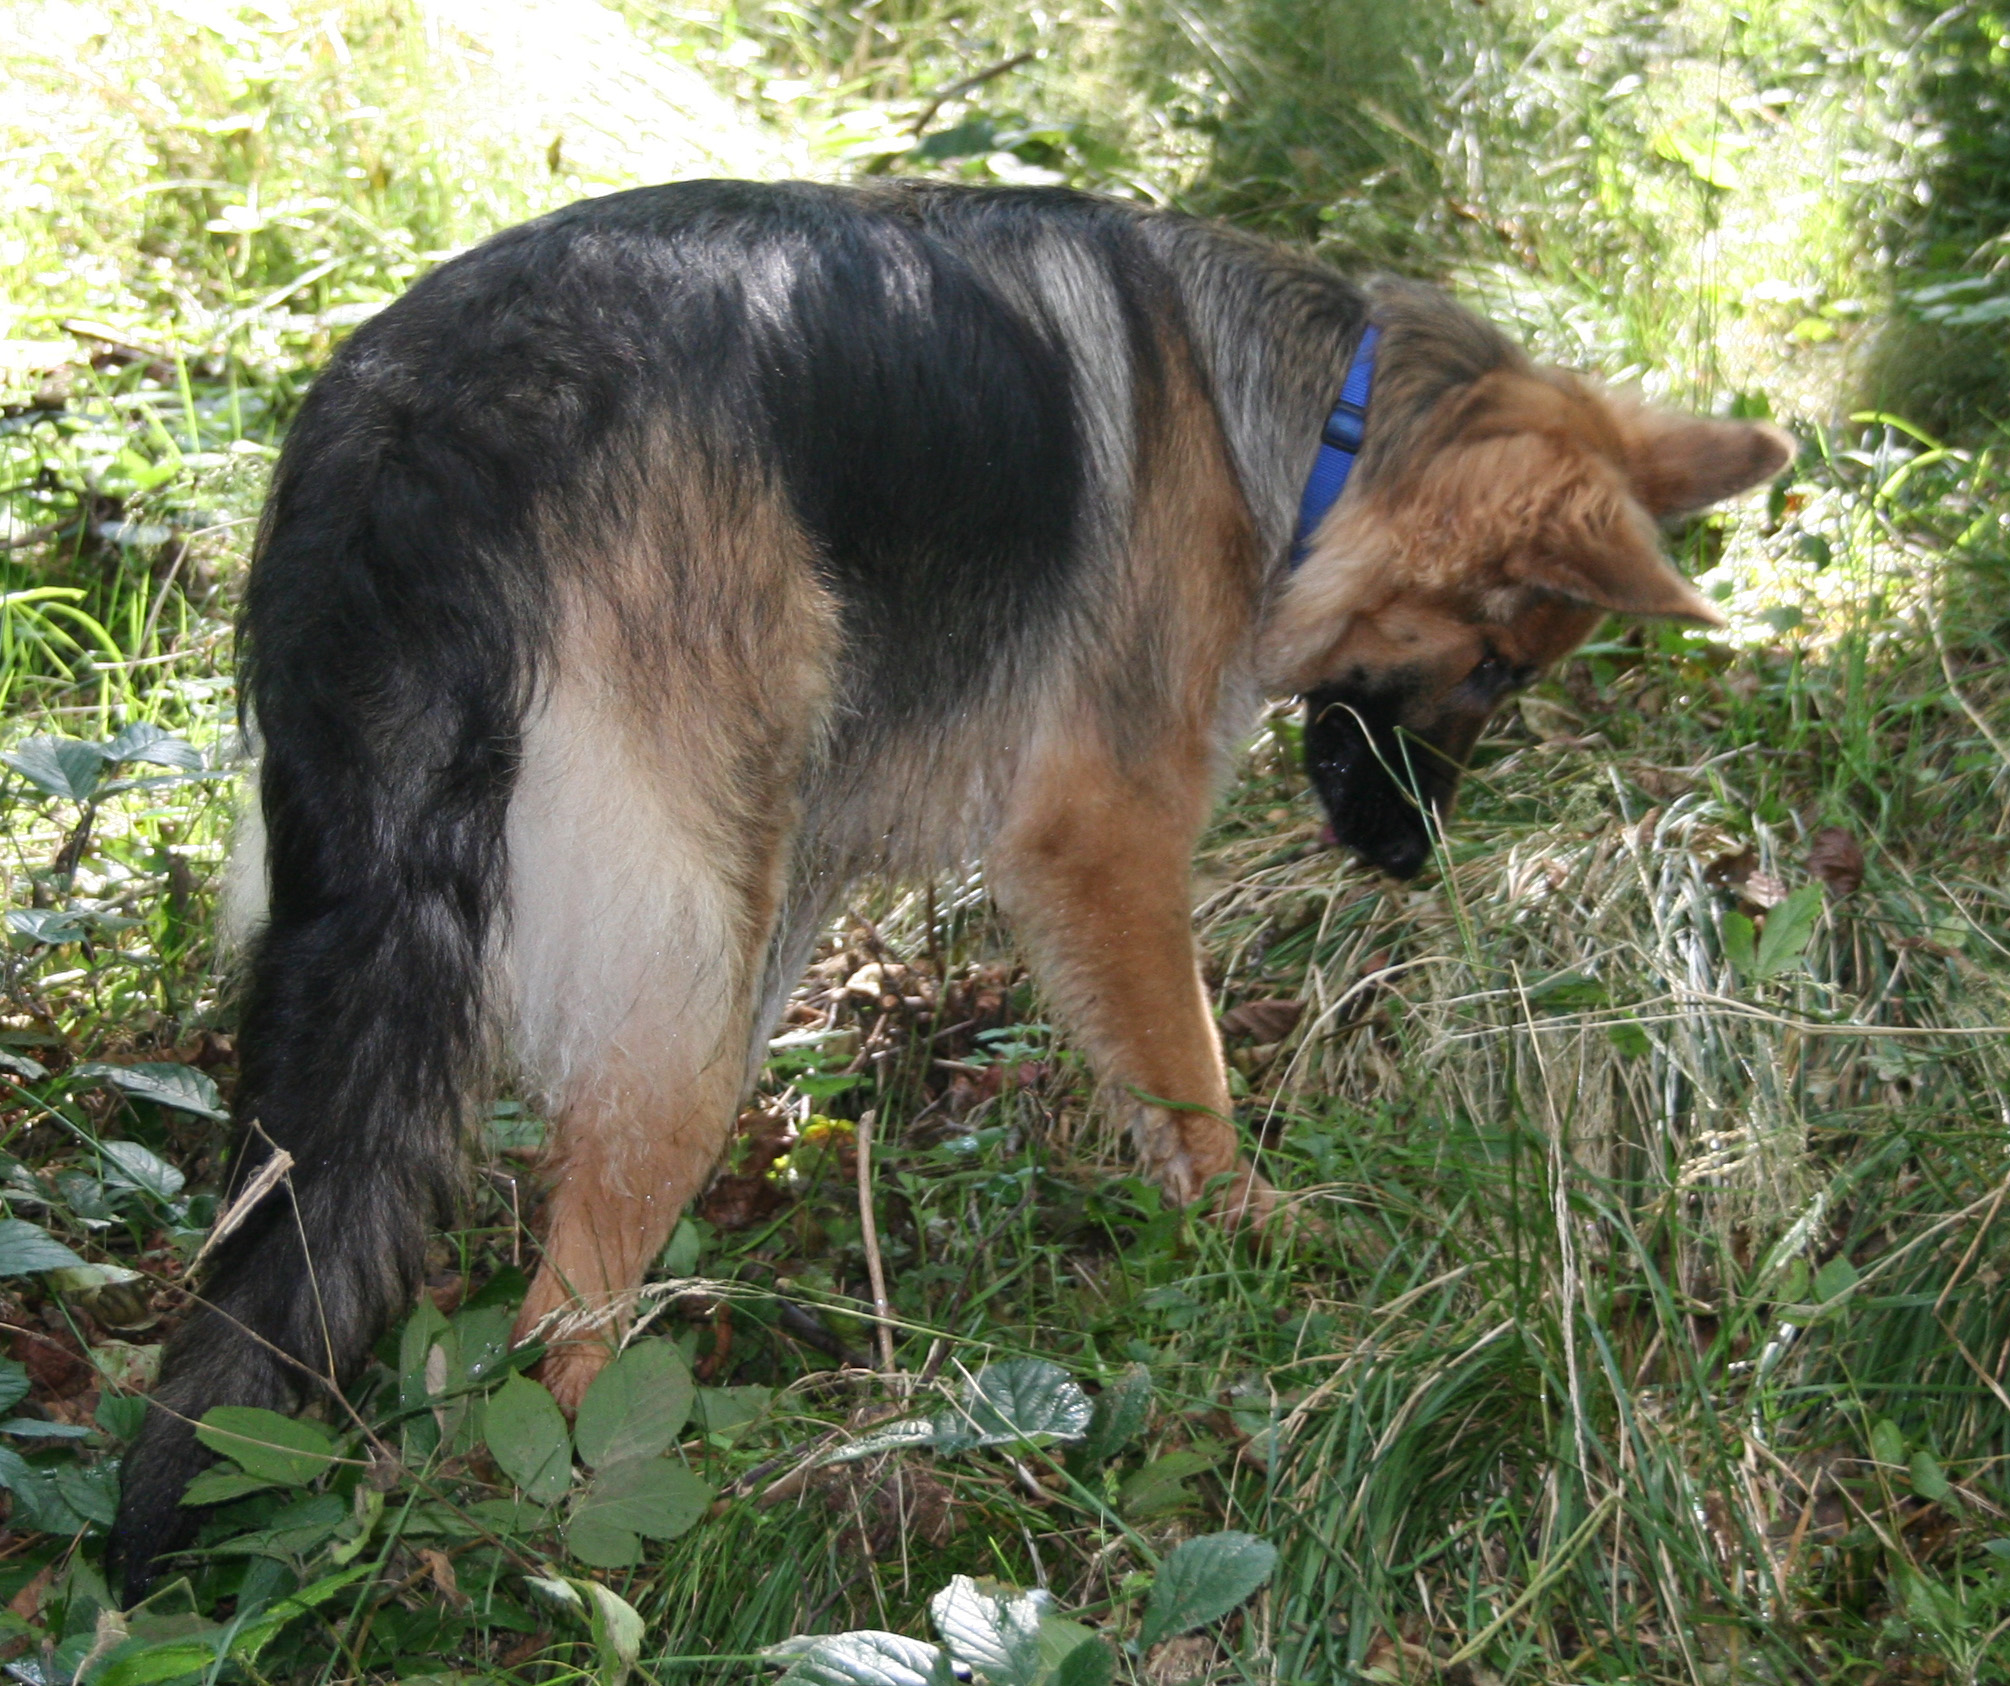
1647,1319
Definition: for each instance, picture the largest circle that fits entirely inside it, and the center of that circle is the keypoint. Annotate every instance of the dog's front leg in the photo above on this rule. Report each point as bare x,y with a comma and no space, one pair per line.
1092,867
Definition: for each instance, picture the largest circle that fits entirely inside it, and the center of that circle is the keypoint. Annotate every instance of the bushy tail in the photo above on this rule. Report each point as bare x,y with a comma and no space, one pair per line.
388,660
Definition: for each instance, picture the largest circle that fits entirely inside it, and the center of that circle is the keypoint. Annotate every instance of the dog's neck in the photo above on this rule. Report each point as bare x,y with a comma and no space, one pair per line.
1339,444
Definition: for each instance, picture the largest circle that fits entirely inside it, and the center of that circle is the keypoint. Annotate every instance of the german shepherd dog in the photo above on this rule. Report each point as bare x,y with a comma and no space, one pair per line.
643,576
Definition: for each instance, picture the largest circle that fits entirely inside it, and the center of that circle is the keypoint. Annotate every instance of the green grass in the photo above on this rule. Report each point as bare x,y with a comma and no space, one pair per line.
1653,1325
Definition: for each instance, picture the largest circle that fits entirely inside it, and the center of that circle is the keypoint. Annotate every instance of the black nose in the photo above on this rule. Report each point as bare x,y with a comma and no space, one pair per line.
1375,794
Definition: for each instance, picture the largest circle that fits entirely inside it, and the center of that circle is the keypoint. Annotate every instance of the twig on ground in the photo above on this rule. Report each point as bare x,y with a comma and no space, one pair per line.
875,1269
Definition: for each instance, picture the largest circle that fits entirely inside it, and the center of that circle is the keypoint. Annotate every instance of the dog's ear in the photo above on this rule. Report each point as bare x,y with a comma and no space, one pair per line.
1595,545
1677,464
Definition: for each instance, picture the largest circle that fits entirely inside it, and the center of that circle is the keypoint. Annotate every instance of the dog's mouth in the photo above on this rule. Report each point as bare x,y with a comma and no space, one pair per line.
1385,789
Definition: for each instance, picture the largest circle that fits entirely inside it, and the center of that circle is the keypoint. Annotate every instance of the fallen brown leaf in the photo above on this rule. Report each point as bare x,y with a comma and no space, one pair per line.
1836,858
1764,890
27,1603
1269,1020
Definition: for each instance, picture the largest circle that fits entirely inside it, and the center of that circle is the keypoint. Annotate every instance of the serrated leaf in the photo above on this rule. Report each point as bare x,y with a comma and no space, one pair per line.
66,767
1741,945
1202,1580
144,741
91,1490
26,1247
1122,1409
635,1406
1788,928
651,1496
220,1485
161,1081
526,1435
1023,1400
141,1168
34,1428
993,1628
288,1450
868,1658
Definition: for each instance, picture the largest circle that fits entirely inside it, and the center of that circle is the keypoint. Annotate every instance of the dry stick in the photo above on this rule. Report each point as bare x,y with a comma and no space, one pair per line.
869,1228
956,90
263,1181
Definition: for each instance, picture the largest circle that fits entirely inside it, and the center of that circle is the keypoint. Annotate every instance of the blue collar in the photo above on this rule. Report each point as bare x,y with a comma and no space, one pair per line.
1339,444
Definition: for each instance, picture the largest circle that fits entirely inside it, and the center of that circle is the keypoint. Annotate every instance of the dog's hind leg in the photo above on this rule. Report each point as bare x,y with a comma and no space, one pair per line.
641,897
1092,867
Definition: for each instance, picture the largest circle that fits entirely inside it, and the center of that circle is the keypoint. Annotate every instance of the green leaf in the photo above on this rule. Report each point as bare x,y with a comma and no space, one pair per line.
13,1383
1023,1400
1091,1663
617,1632
1835,1278
255,1636
287,1450
65,767
993,1628
34,1428
680,1256
161,1081
91,1490
425,1329
867,1658
220,1485
1929,1480
602,1543
1887,1442
1630,1039
1997,1548
26,1247
1161,1485
144,741
134,1166
120,1414
635,1406
52,925
1122,1410
730,1410
650,1496
150,1663
482,1333
527,1437
1740,945
1203,1579
1788,928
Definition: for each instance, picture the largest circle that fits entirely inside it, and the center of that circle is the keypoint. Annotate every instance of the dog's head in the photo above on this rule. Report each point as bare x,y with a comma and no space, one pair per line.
1500,522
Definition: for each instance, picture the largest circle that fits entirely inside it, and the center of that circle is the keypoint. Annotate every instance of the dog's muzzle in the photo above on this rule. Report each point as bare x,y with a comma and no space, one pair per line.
1384,788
